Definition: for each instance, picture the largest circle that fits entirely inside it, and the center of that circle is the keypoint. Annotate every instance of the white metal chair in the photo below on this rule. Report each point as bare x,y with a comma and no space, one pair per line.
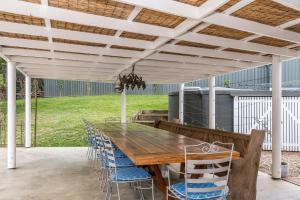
204,179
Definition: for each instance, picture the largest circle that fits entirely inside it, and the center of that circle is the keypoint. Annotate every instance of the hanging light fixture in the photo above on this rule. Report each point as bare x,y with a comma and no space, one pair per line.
130,80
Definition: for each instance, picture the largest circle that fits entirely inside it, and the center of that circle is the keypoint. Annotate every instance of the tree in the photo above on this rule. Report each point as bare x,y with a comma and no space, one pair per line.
60,85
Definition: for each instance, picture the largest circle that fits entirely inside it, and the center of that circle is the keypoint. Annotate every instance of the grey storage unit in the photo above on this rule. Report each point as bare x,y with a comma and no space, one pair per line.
196,105
196,108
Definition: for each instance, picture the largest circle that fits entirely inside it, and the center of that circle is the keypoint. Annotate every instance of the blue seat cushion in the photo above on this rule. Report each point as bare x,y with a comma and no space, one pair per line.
119,154
179,189
130,174
122,162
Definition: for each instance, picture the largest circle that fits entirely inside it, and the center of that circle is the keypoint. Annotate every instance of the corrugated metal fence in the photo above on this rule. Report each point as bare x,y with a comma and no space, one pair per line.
81,88
256,113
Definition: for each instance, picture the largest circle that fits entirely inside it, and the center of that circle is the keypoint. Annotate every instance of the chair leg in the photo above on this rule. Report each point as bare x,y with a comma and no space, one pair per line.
105,179
109,190
152,189
139,188
118,191
167,193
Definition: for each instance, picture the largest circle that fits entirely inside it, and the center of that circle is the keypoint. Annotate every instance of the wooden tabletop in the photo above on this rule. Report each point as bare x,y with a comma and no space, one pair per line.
146,145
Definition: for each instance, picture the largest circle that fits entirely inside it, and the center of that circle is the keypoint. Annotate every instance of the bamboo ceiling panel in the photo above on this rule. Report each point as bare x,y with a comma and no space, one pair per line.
195,44
24,48
22,19
89,54
33,1
138,36
78,42
200,2
115,56
81,28
295,28
225,32
267,12
240,51
148,16
296,48
228,5
23,36
192,2
271,41
126,48
178,54
106,8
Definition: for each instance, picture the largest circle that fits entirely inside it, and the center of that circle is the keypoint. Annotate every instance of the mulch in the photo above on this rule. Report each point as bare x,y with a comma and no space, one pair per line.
293,160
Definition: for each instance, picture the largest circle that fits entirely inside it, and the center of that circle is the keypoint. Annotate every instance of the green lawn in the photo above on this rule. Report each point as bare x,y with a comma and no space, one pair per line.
60,119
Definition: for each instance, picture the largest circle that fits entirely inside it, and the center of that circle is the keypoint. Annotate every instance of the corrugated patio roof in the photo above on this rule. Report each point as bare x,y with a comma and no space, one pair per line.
170,41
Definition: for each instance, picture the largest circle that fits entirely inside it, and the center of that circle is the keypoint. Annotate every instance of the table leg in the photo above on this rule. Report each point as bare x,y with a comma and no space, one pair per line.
159,180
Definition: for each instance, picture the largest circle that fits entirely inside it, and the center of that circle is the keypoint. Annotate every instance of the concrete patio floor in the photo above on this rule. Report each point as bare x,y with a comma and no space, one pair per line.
65,174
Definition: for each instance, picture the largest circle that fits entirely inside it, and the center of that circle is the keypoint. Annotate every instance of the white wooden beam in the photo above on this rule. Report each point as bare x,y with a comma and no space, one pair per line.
25,43
65,56
47,23
143,70
294,4
200,60
132,15
78,64
167,6
154,64
237,44
228,11
205,9
215,53
71,35
36,10
2,55
169,64
252,27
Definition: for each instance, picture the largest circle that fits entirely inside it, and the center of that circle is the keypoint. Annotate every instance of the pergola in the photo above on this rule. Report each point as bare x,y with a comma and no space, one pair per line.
169,41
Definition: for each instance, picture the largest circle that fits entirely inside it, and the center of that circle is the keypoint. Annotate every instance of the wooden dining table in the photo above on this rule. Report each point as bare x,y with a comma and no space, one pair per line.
150,147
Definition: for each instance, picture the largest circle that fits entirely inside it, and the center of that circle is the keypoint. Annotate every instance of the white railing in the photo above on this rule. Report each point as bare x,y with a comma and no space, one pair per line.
256,113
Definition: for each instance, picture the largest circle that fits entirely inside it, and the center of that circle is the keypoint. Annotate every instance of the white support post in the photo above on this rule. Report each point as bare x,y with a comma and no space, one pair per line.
123,106
27,111
276,117
212,103
181,103
11,115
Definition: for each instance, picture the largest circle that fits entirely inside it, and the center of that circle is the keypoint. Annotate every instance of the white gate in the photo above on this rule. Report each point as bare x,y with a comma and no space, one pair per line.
256,113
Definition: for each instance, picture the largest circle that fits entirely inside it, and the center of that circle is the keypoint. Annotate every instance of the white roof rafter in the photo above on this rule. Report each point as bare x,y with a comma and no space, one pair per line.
252,27
176,64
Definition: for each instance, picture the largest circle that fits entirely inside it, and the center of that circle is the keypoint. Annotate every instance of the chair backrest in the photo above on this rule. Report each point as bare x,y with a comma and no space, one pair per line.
109,152
214,171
